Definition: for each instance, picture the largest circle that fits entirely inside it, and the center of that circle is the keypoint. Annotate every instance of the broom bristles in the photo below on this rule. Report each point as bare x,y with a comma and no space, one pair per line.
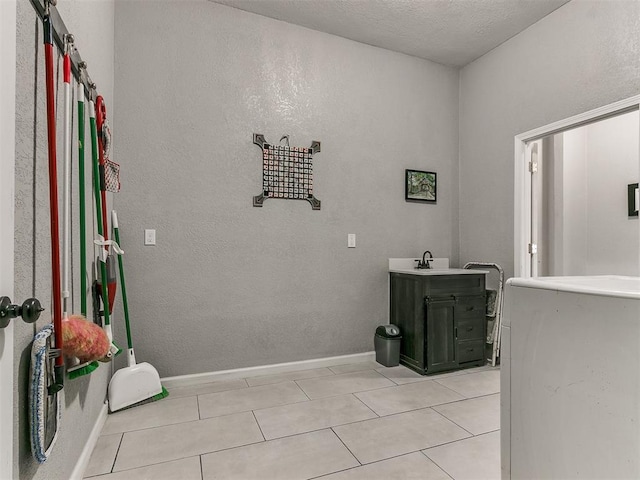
84,370
158,396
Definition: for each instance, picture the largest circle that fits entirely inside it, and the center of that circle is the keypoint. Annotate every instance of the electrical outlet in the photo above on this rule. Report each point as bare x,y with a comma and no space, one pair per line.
149,236
351,240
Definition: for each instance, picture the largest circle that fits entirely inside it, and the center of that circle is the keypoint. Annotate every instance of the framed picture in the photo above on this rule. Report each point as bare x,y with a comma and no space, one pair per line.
420,186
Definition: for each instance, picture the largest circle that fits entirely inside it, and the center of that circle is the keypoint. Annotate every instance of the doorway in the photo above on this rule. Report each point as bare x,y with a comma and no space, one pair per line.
571,188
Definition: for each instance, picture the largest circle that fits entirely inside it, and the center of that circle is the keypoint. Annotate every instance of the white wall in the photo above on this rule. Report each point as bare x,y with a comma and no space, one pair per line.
581,56
592,168
574,207
93,27
230,285
613,239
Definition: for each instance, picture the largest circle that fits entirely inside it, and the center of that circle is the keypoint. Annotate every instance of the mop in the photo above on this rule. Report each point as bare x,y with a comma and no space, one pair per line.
45,411
102,258
137,383
46,385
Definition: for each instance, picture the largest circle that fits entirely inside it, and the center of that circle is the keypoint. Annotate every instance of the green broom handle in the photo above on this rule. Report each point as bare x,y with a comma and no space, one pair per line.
96,189
83,238
125,304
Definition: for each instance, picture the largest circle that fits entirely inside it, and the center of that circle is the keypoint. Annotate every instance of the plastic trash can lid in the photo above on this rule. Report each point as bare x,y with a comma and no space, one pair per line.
388,331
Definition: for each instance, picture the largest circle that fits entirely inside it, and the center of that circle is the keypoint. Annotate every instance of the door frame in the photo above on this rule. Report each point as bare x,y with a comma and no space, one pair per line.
522,177
7,173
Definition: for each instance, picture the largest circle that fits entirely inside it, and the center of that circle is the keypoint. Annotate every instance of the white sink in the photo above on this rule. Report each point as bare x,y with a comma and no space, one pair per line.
439,266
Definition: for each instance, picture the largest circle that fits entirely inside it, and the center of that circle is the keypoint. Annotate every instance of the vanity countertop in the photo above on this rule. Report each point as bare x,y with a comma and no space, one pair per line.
437,271
439,266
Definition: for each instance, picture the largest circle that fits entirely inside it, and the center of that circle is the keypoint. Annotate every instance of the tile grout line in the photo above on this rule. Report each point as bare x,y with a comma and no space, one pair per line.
140,429
423,407
448,419
117,452
455,441
353,371
258,423
196,420
421,378
466,399
259,442
201,468
250,410
302,390
420,451
454,391
331,374
176,396
198,406
360,391
96,477
434,462
345,446
372,410
319,429
450,443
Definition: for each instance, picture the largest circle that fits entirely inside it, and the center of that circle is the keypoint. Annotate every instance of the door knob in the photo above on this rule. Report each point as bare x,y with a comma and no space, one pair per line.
29,310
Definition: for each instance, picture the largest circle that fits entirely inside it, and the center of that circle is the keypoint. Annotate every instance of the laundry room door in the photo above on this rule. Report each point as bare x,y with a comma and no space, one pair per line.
7,168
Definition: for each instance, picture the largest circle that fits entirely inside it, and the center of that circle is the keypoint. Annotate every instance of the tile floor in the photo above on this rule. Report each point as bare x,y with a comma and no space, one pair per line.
356,421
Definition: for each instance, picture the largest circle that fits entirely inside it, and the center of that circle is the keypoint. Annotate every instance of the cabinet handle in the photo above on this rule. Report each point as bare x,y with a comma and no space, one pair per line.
469,309
469,329
470,350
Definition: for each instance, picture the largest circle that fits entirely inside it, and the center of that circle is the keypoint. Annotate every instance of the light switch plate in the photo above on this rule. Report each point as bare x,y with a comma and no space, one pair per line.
149,236
351,240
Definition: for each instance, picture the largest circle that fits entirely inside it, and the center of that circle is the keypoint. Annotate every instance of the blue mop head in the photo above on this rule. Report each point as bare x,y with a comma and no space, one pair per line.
44,412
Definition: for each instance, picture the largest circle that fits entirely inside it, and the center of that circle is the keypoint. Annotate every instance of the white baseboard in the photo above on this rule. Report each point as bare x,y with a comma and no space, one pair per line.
207,377
85,456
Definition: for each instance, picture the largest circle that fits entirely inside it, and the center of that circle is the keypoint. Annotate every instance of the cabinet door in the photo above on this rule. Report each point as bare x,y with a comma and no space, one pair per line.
407,312
440,341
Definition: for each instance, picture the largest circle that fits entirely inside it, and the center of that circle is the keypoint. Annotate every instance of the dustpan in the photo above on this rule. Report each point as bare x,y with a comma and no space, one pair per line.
138,382
134,384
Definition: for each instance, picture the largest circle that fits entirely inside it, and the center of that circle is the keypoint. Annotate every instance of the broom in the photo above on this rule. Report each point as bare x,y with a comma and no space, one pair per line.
102,260
136,384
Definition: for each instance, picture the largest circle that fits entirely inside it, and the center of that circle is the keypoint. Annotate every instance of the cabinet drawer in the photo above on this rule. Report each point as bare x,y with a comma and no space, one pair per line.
470,351
469,284
471,307
471,329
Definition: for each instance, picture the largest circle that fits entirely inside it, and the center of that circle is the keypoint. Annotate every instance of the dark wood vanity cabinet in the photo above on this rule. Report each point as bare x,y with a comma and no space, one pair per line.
441,319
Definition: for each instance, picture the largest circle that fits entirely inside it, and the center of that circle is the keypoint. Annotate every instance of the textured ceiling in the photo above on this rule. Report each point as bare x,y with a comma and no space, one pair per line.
451,32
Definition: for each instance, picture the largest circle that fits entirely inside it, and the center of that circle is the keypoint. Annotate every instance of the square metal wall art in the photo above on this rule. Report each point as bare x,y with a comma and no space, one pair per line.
287,172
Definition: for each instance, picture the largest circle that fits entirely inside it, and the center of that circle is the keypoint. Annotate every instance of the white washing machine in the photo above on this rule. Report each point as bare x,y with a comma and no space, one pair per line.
570,378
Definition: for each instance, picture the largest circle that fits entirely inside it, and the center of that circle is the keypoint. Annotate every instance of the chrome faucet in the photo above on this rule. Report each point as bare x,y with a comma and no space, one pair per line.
425,261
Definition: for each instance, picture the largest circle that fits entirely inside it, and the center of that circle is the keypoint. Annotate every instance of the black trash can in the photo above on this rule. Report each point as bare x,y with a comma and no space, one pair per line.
387,345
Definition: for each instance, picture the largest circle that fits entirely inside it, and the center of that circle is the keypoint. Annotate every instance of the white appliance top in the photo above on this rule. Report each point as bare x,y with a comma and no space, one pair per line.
605,285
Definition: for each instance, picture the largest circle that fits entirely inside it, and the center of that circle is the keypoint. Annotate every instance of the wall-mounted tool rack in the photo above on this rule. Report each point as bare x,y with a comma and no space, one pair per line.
78,66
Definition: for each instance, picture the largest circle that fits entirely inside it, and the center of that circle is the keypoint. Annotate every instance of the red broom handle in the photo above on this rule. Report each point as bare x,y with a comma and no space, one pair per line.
53,203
